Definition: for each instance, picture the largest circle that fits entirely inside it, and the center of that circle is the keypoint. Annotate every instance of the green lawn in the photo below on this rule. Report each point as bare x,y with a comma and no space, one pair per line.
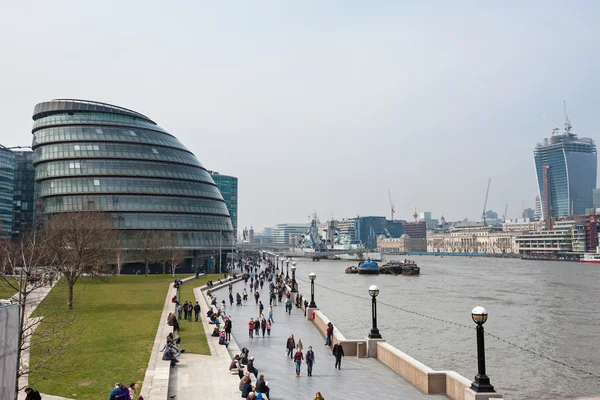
6,291
119,317
193,337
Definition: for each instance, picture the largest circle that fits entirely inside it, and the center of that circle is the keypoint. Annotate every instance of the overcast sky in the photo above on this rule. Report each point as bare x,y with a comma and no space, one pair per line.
324,105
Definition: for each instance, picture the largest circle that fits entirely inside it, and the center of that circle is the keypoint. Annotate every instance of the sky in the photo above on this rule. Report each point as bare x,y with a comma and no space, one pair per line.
324,106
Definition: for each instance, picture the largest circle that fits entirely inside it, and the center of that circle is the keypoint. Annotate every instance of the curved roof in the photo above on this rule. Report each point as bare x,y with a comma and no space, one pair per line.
61,105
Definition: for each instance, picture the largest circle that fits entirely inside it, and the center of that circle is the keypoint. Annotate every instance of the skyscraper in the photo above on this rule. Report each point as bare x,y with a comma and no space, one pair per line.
228,185
7,177
566,168
24,201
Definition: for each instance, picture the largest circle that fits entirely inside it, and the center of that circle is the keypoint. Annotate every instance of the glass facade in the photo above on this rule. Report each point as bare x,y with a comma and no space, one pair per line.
96,156
566,168
7,177
228,185
24,200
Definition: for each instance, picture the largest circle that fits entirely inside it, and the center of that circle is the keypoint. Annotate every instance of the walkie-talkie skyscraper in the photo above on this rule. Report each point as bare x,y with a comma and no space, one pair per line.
566,168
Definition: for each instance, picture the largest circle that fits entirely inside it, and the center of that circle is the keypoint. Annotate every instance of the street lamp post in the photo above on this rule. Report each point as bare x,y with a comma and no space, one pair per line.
287,269
294,288
277,261
374,292
312,277
482,382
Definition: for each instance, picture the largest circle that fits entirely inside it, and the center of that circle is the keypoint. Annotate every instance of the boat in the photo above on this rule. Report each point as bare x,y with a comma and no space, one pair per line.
593,258
368,268
396,267
351,270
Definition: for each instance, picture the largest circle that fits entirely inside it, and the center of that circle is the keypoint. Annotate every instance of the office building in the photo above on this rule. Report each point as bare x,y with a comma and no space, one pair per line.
280,234
566,169
228,185
97,156
7,177
368,229
416,230
24,193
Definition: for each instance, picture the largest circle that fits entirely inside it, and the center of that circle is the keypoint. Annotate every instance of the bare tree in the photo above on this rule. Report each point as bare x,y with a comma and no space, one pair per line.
120,258
148,248
80,243
32,258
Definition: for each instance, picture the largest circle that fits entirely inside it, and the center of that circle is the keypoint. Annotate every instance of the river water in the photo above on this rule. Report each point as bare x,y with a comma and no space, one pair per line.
551,308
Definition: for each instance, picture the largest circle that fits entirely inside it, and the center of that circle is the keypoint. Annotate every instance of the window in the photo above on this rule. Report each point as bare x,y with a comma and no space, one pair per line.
154,151
76,147
132,133
96,182
98,130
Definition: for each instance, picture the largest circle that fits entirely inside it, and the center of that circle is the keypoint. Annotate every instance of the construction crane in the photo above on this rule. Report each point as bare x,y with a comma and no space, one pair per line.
483,216
568,125
505,211
391,204
554,128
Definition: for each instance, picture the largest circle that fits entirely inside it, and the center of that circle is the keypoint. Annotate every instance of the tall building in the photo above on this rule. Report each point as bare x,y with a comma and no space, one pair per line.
281,232
24,194
566,169
529,213
537,215
7,177
97,156
228,185
596,198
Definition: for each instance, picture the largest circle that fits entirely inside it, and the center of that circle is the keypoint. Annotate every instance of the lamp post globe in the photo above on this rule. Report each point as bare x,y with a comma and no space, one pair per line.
294,289
312,276
374,292
482,381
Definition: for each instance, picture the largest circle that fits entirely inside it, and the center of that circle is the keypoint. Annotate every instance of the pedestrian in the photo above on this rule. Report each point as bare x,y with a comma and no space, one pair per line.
268,328
230,299
256,296
298,357
288,306
179,311
251,328
263,326
256,326
271,314
223,308
310,360
261,307
197,310
329,334
299,345
227,328
189,313
319,396
251,368
290,345
251,286
185,310
338,352
33,394
245,295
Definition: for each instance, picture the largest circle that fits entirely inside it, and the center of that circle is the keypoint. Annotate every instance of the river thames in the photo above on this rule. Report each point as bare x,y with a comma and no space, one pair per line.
551,308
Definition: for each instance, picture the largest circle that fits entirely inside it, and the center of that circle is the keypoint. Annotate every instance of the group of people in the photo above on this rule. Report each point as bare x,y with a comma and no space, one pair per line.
122,392
249,391
172,350
294,351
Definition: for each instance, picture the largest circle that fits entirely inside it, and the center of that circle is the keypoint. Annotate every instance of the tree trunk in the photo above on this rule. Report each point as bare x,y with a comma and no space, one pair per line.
164,268
71,289
146,270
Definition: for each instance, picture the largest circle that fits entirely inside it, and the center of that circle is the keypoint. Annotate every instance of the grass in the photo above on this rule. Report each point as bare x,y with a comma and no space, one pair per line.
5,290
193,337
117,320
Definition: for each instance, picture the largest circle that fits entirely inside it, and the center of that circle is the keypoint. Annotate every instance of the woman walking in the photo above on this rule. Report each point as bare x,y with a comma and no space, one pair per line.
251,328
263,326
298,357
268,328
290,345
299,346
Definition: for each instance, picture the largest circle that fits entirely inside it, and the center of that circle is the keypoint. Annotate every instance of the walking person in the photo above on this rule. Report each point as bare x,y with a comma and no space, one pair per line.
230,299
179,311
223,308
310,360
227,328
251,328
290,345
338,352
256,327
268,328
197,310
256,296
299,345
263,326
271,314
319,396
185,310
261,307
190,310
298,357
245,295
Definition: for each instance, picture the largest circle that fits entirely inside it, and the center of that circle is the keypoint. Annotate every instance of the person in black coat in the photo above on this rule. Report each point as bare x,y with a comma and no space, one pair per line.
32,394
250,367
338,352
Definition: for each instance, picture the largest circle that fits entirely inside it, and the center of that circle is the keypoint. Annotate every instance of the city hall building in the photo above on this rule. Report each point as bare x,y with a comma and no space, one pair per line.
97,156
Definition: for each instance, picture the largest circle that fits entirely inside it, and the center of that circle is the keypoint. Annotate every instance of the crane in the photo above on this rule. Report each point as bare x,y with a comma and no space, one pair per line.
391,204
483,216
505,211
554,128
568,125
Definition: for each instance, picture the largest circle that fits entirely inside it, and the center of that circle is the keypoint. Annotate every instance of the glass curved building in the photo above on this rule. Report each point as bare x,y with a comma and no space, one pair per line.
91,155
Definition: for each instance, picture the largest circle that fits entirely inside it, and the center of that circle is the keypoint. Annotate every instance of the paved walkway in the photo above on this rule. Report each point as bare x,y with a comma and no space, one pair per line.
364,378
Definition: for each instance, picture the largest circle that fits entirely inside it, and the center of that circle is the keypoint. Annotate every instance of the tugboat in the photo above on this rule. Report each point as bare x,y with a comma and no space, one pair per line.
368,268
396,267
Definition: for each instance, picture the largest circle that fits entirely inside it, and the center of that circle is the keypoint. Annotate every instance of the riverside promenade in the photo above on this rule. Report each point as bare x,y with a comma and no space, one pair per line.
358,377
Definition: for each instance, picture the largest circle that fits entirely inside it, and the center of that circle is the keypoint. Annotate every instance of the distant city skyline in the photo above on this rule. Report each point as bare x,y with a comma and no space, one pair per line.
325,106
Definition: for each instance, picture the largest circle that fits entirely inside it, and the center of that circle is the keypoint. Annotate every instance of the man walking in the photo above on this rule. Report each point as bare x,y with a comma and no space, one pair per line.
310,360
256,296
338,352
185,310
197,310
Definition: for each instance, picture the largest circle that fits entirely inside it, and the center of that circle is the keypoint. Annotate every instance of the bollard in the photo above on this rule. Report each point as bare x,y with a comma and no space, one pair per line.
313,315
